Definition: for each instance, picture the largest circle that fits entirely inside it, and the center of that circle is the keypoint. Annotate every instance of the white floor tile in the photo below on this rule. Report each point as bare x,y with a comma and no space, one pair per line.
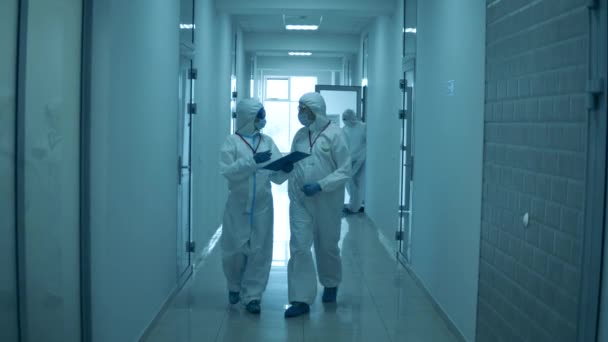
377,300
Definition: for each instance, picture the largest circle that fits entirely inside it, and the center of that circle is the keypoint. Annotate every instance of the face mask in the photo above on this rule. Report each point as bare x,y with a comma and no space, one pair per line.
260,124
304,119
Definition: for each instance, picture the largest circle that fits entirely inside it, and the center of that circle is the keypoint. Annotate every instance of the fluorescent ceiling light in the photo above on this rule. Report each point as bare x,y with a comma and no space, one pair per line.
302,27
409,30
187,26
300,53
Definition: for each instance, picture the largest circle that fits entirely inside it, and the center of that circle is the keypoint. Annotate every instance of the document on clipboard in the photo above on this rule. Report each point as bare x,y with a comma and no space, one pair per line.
291,158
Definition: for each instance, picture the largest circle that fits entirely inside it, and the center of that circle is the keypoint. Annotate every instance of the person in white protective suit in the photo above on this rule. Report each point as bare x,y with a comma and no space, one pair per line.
316,193
355,134
247,232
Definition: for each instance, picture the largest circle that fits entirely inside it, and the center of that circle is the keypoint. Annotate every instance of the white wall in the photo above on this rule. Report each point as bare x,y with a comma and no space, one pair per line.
249,69
383,129
242,76
318,67
8,271
302,41
323,77
448,155
51,122
214,41
299,63
134,125
351,67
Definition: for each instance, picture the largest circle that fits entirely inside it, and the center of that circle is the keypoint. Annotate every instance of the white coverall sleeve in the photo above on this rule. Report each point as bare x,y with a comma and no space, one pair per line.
232,167
341,155
278,177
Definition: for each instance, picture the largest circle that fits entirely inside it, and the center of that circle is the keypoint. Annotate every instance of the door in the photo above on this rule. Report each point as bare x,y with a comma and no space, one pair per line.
406,117
406,175
186,109
185,245
340,98
9,327
337,100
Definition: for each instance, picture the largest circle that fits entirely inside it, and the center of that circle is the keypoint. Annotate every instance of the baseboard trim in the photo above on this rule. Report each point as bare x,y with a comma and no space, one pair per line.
451,325
166,304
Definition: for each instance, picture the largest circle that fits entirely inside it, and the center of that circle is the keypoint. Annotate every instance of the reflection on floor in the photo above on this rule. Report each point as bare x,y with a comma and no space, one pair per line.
377,301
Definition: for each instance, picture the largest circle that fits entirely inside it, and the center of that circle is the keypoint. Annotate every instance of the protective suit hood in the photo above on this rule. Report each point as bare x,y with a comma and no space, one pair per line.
349,115
246,112
316,103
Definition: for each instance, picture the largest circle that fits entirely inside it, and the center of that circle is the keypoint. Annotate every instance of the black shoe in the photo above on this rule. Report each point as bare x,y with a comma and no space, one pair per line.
347,211
233,297
254,307
362,209
297,309
330,294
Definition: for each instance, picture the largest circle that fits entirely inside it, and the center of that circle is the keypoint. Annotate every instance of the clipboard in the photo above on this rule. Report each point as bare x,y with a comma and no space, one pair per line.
293,158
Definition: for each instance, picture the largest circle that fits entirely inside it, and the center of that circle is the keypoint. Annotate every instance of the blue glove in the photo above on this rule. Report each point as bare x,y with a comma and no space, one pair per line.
311,189
262,157
287,168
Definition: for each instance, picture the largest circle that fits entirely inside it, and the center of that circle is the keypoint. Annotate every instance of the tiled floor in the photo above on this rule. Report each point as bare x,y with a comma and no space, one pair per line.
377,301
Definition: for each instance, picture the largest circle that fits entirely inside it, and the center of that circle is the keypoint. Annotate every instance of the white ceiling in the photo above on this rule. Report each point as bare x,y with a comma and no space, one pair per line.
330,24
340,18
364,8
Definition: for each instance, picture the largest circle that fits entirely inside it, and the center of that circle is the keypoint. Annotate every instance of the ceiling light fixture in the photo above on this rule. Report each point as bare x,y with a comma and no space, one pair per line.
300,53
187,26
302,22
302,27
409,30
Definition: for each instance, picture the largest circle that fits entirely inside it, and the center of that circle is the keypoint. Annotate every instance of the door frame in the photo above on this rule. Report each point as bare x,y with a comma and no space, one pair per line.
406,149
186,52
406,177
595,211
85,173
357,89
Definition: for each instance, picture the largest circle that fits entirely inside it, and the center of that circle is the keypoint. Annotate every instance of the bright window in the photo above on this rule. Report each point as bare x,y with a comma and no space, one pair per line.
277,89
282,95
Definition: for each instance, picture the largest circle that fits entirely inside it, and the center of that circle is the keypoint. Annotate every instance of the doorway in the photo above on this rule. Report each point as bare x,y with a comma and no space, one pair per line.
407,114
337,100
185,245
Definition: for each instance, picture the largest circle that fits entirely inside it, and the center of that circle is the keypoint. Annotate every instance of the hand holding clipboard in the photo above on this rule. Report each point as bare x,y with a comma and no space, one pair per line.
284,162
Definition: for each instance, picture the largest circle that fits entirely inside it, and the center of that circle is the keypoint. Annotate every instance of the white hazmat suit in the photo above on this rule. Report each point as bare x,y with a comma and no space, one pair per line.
316,219
247,233
355,134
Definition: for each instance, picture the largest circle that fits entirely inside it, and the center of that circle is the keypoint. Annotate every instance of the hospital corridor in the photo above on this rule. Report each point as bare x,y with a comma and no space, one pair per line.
299,171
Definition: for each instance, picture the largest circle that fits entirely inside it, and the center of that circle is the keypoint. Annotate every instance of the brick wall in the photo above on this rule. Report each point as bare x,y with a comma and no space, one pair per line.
534,162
